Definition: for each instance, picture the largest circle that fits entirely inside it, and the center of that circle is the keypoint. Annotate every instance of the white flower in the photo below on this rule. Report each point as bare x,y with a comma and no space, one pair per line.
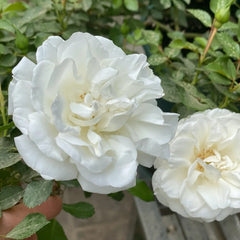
201,180
87,111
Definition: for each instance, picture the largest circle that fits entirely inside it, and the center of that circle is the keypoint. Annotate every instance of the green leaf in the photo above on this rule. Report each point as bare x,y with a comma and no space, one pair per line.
17,6
37,192
223,66
219,79
171,52
165,3
71,183
8,60
5,25
203,16
179,5
52,231
21,41
156,59
117,4
142,191
86,4
9,196
225,91
180,44
79,210
152,37
215,5
7,155
131,5
118,196
230,47
30,15
28,226
171,90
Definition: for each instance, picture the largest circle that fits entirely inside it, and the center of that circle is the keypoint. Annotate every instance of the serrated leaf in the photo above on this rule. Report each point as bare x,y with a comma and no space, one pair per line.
7,155
223,66
17,6
9,196
203,16
116,4
142,191
230,47
28,226
5,25
165,3
118,196
86,4
37,192
131,5
156,59
52,231
79,210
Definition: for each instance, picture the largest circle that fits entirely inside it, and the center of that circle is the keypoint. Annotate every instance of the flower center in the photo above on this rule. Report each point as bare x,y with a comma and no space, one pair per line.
214,158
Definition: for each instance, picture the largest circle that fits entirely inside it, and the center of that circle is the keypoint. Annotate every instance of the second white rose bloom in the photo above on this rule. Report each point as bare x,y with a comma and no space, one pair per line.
87,110
201,180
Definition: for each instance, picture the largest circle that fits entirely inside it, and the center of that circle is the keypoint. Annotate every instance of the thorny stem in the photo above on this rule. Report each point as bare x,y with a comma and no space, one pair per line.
2,107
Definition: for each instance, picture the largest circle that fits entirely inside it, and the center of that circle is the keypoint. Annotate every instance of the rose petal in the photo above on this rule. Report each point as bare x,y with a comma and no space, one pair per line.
47,167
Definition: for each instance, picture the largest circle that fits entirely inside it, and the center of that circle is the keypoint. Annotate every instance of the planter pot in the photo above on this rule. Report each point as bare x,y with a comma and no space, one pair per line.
13,216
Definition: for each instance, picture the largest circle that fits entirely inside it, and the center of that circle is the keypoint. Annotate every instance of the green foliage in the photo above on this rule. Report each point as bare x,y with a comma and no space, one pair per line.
28,226
9,196
52,231
142,191
118,196
79,210
37,192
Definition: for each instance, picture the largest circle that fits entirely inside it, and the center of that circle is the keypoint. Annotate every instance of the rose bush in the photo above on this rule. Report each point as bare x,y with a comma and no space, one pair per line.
86,110
201,179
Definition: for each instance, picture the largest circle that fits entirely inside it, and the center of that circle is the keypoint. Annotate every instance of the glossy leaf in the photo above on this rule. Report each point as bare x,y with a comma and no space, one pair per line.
52,231
79,210
118,196
17,6
5,25
203,16
215,5
142,191
86,4
165,3
28,226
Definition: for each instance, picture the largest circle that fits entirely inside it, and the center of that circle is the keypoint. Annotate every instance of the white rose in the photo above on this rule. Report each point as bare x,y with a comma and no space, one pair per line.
201,180
87,111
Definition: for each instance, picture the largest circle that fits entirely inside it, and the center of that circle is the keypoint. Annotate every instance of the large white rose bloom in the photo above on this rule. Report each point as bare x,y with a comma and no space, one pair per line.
86,110
201,180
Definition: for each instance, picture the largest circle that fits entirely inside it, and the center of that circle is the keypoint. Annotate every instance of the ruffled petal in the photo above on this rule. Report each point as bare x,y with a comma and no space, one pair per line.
43,134
22,106
47,167
122,171
49,49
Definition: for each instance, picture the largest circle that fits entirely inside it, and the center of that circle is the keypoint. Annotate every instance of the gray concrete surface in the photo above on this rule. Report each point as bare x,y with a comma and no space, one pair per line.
112,220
